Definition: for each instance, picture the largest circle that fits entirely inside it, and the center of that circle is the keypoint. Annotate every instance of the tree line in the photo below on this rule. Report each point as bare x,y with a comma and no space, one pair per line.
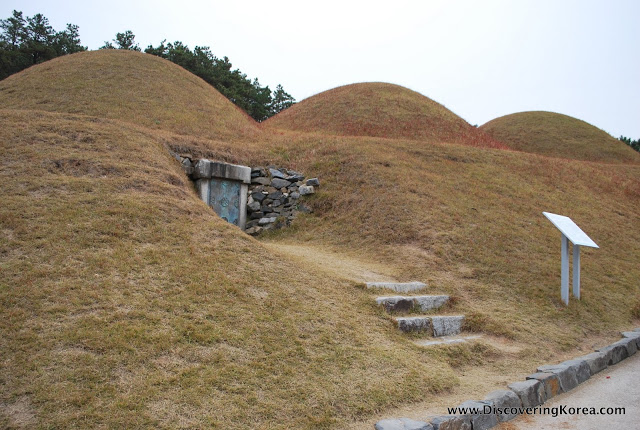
25,41
635,144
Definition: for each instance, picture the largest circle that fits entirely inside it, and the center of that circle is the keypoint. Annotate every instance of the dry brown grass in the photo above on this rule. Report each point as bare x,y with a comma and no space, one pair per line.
126,302
378,110
558,135
130,86
470,220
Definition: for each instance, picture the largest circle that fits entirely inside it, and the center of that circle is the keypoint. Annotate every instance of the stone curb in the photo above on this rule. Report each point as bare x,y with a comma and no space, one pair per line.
549,381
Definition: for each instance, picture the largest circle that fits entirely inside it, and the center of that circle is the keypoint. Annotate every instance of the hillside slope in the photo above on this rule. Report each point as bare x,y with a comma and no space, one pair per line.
129,86
558,135
378,110
469,220
126,302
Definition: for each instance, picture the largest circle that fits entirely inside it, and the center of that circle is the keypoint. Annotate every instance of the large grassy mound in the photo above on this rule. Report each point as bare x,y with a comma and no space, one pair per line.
378,110
558,135
126,302
129,86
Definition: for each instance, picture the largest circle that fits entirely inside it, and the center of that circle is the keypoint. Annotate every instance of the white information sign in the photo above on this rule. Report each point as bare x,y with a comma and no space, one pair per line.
570,232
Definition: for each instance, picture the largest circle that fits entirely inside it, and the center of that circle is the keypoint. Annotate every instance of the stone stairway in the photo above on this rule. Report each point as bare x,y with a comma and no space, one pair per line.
445,327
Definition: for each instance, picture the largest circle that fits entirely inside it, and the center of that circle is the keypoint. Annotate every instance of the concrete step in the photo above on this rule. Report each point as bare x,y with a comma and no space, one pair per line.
407,303
400,287
419,324
438,326
447,325
446,340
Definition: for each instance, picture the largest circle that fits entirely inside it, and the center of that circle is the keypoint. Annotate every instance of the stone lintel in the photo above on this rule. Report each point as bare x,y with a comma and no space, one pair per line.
206,169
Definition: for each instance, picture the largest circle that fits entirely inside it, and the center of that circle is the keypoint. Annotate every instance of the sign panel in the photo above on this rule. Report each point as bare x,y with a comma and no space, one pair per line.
224,198
570,230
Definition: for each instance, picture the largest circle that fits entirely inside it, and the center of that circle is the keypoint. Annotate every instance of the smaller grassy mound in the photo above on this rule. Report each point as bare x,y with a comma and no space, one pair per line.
558,135
129,86
378,109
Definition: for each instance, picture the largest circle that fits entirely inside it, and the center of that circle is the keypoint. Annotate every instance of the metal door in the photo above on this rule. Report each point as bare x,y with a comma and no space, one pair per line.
224,198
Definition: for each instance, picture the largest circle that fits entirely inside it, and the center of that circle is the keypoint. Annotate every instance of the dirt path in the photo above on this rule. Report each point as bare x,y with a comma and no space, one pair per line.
335,263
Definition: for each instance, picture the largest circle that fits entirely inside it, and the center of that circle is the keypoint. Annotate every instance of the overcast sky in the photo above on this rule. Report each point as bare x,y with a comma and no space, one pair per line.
481,59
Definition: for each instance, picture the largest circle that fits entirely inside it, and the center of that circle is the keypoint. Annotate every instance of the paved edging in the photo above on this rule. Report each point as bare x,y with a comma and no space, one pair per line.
547,382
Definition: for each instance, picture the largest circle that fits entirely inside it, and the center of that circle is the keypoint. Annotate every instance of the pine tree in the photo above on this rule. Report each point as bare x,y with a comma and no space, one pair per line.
281,100
68,41
126,40
40,37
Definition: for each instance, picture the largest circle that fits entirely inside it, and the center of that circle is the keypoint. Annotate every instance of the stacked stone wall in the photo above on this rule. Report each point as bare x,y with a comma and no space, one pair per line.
274,198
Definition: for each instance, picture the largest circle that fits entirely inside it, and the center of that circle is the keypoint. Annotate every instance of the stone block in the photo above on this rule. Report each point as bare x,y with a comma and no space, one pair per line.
250,224
314,182
506,403
261,180
400,287
264,221
402,424
306,189
451,422
630,344
205,169
253,231
597,361
404,303
257,172
232,172
616,352
583,371
447,325
202,169
395,303
419,324
254,206
258,196
566,375
278,183
530,392
277,174
633,335
485,418
550,382
276,195
426,303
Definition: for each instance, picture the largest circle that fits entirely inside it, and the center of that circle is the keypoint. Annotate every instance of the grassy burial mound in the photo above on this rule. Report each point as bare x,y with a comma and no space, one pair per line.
128,86
558,135
126,302
469,221
378,110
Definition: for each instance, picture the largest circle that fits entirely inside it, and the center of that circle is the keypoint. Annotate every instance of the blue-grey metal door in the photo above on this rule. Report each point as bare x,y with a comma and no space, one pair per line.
224,198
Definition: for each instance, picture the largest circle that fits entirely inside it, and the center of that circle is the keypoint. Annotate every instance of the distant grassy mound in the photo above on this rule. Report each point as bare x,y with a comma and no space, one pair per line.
378,110
558,135
129,86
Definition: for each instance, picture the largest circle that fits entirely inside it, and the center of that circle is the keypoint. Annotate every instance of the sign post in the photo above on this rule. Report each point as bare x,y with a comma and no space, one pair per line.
570,232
